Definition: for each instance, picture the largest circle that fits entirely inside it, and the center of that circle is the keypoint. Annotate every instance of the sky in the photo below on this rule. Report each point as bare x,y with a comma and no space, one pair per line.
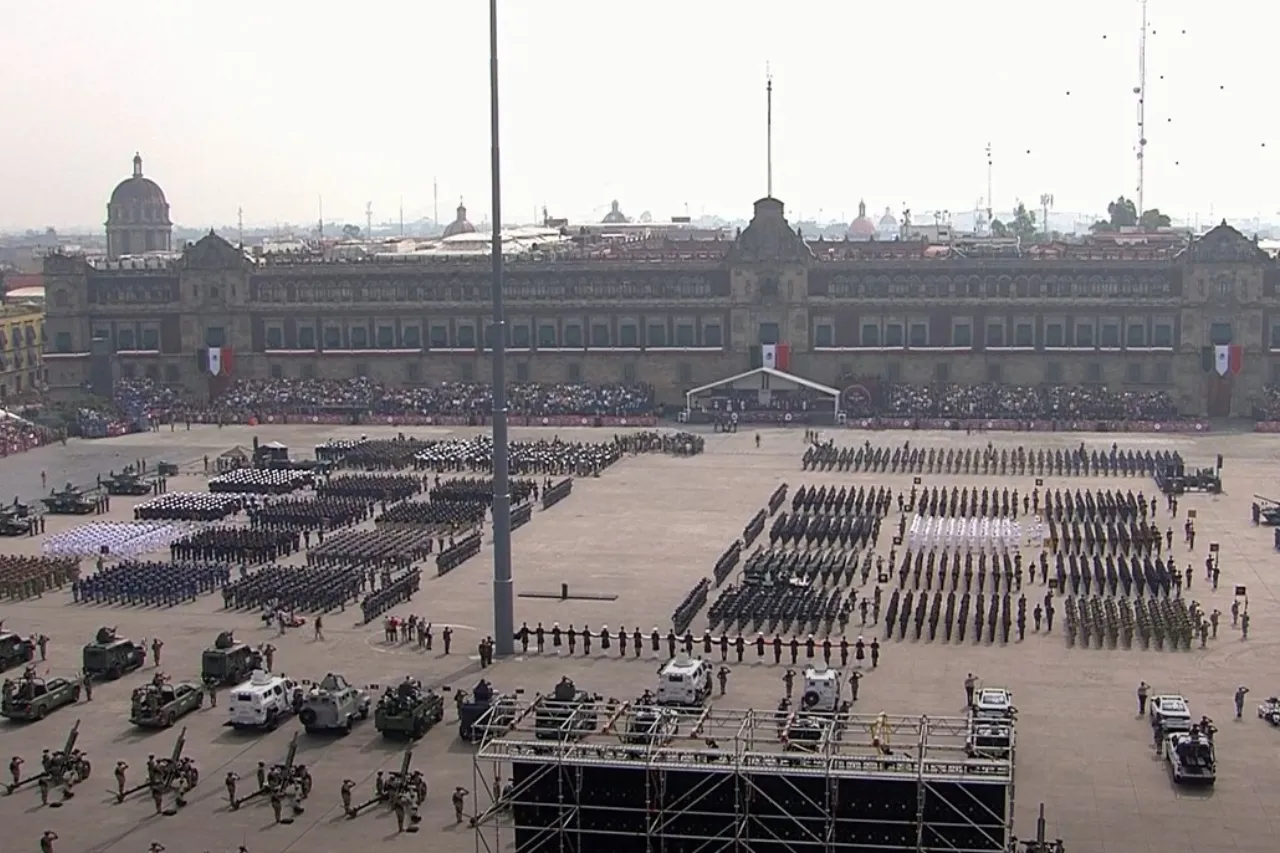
269,107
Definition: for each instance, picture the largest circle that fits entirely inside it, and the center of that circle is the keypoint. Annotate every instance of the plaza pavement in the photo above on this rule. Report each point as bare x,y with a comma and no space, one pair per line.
646,530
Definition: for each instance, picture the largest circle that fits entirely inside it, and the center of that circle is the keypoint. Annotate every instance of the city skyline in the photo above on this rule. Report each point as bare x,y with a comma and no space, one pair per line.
671,116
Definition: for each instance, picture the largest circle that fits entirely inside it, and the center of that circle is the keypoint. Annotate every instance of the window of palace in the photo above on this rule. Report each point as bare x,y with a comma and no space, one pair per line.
993,372
962,335
870,335
411,338
277,371
1084,335
712,335
171,373
657,336
128,371
768,333
573,335
520,336
684,373
308,371
1275,336
1110,335
600,334
1136,336
629,335
275,337
361,369
919,335
995,334
62,342
1053,372
629,372
153,372
893,334
1220,334
1024,335
1133,373
215,336
149,339
522,371
439,336
942,371
386,337
102,335
685,336
1053,335
547,336
306,337
1164,372
893,371
124,339
823,335
573,371
466,336
1093,372
490,335
332,337
413,371
359,337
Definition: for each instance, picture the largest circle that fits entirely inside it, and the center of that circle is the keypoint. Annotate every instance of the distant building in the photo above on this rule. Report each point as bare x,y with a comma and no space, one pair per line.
615,216
21,350
862,227
138,216
459,225
888,227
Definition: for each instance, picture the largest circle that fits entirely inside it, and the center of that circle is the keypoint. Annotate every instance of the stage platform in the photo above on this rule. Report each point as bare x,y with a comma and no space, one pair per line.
585,777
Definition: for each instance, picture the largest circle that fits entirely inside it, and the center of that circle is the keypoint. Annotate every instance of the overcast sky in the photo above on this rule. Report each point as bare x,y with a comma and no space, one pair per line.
268,106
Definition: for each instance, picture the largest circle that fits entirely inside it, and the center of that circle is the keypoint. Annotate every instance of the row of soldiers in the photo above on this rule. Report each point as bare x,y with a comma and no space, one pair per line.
921,567
311,589
242,545
150,582
1000,612
319,513
30,577
1017,461
1118,621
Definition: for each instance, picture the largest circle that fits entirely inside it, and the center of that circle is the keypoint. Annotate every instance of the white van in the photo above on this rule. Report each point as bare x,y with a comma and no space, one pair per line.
261,702
684,681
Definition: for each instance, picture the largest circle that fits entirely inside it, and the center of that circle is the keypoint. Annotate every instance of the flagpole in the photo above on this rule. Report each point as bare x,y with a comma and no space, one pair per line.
503,600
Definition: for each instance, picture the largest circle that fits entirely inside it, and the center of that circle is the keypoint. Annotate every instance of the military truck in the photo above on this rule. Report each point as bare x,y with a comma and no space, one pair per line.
229,662
15,650
567,714
333,705
127,483
408,710
69,501
473,724
159,704
110,656
32,698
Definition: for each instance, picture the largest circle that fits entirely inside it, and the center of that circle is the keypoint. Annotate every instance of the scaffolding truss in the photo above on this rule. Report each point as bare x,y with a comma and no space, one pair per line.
572,777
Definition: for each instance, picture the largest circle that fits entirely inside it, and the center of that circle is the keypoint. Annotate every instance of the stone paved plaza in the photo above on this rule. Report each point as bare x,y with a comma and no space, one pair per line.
646,530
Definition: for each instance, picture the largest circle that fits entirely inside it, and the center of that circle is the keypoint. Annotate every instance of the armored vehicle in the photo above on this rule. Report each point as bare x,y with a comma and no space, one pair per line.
408,710
110,656
473,725
69,501
567,714
31,698
13,523
228,662
159,704
650,724
333,705
127,484
15,650
1190,758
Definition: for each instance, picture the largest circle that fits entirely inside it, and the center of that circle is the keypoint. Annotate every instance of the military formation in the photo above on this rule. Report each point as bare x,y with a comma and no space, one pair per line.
549,457
29,577
190,506
153,583
1098,621
990,460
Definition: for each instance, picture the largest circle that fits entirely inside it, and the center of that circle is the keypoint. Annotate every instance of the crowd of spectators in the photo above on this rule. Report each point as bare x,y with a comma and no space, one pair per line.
1266,406
1026,402
18,435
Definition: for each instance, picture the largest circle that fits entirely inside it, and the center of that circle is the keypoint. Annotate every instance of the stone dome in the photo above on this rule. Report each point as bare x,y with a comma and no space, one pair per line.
615,215
138,189
888,220
862,228
459,225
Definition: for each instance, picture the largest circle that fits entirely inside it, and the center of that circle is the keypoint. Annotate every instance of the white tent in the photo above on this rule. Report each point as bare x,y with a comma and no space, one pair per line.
764,380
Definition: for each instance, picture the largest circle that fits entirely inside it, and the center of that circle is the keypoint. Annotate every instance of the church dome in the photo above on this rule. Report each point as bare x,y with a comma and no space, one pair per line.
137,189
459,225
615,216
862,228
888,220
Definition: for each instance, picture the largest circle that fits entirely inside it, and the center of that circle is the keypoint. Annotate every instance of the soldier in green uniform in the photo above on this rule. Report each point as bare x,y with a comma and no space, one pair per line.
276,805
347,786
121,767
230,782
43,783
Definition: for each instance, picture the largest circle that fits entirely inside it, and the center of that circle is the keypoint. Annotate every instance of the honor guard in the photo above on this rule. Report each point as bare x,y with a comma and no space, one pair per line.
347,787
121,767
739,646
788,681
723,675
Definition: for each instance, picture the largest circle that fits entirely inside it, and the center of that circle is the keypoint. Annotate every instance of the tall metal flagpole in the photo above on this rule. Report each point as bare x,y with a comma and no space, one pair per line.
503,600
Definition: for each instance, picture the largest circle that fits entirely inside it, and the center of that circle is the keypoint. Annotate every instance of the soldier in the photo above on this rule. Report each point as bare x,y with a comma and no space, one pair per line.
180,789
121,767
637,640
969,684
739,646
572,637
46,841
43,784
760,644
397,806
86,682
157,798
777,649
1213,622
213,694
826,651
540,637
555,637
277,803
269,656
459,801
1241,692
318,626
622,642
156,646
844,650
15,769
724,647
262,775
43,643
347,787
723,675
1143,692
586,640
523,635
795,650
854,678
447,636
789,680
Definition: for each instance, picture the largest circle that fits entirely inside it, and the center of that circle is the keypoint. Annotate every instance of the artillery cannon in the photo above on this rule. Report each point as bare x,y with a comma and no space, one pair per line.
61,768
405,785
174,774
286,781
1267,511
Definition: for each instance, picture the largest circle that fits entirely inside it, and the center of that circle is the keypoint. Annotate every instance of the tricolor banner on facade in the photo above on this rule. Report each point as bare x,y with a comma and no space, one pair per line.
217,361
1228,359
774,356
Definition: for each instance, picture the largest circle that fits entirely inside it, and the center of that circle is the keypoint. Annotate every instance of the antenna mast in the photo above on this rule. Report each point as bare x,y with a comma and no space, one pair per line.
435,202
401,216
768,131
368,219
1141,92
320,204
990,217
240,226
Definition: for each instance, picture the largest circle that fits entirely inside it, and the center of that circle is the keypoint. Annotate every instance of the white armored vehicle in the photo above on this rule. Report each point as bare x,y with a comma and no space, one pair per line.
1190,758
1170,713
684,680
991,724
1270,711
333,705
821,692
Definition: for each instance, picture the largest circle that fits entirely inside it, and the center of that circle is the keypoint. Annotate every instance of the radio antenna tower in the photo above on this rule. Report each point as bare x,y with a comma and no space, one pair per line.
435,202
240,226
320,205
990,217
401,216
768,131
368,219
1141,91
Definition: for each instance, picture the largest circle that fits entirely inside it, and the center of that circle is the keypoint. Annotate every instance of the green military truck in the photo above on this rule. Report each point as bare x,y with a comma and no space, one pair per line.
32,698
408,710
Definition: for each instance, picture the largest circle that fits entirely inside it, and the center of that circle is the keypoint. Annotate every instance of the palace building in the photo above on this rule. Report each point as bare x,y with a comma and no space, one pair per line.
1132,312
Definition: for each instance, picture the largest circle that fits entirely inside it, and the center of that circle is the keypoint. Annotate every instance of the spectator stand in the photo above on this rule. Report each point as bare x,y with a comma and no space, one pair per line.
763,395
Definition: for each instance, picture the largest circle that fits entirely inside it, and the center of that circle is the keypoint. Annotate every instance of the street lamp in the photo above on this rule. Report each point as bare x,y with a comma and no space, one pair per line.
1046,203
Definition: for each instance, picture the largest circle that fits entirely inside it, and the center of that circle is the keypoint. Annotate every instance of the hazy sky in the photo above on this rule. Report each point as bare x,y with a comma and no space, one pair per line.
659,104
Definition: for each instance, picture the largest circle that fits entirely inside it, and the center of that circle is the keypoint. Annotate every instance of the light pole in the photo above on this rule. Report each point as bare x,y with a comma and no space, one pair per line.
1046,204
503,600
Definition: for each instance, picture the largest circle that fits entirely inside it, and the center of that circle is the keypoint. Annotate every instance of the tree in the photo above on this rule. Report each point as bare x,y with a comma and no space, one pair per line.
351,232
1023,224
999,229
1153,218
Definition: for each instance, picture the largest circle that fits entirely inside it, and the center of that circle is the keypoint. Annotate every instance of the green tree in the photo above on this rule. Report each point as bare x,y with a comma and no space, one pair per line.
1153,218
351,232
1023,224
999,229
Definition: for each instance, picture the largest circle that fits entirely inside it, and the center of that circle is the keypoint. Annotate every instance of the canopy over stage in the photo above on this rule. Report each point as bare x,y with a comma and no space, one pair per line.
767,394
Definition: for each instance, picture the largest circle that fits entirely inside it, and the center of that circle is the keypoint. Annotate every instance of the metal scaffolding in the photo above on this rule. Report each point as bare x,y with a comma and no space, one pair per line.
742,771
